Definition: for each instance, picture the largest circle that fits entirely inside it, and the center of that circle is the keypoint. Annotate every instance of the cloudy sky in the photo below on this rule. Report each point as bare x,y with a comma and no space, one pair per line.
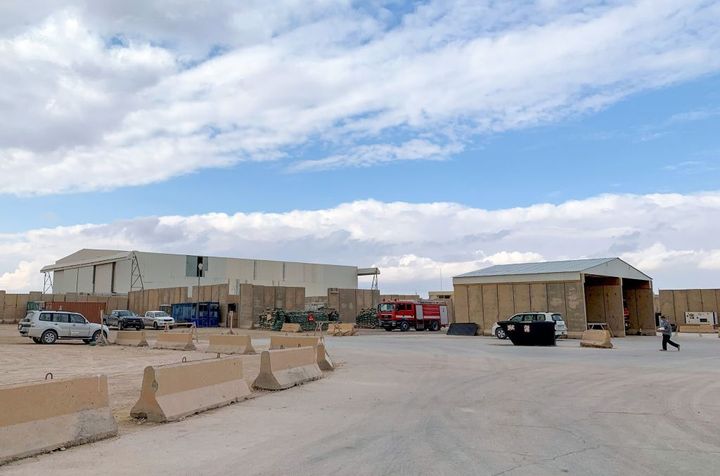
428,138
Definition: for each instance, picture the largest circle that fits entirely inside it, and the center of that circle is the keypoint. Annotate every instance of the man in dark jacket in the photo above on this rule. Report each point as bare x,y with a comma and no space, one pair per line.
666,329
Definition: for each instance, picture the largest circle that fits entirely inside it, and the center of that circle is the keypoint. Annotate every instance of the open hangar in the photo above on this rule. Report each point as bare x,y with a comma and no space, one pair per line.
584,291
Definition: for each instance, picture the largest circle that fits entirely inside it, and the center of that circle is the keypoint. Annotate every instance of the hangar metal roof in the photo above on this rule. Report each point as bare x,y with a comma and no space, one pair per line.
569,266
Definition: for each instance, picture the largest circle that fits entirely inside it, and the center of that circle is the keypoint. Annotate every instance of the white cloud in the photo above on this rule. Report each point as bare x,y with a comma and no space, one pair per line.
130,94
670,236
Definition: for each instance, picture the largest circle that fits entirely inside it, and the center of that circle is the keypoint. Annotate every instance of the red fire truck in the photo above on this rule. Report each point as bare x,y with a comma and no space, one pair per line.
418,315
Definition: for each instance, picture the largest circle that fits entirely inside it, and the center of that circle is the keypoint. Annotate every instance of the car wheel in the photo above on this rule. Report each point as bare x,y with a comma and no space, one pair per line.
155,326
404,326
49,337
434,326
96,336
500,333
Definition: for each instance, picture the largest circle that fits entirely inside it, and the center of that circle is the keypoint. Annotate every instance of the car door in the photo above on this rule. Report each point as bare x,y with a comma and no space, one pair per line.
79,326
61,324
149,318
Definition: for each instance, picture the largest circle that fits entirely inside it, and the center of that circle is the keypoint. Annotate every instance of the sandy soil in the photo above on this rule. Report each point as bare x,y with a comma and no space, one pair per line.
21,360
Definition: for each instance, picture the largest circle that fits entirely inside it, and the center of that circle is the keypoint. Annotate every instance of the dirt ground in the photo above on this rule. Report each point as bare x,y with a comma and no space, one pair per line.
24,361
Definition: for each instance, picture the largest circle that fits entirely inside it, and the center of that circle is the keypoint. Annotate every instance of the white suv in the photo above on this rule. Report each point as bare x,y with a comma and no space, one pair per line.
531,316
46,327
158,319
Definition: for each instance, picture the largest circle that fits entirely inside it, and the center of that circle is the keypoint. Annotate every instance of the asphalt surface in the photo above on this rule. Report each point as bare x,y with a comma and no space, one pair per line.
409,404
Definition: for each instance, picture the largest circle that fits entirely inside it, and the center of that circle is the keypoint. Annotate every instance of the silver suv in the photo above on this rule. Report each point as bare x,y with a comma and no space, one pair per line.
46,327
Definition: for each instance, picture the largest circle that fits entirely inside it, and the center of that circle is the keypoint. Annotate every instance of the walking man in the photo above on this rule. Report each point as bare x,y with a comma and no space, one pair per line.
666,329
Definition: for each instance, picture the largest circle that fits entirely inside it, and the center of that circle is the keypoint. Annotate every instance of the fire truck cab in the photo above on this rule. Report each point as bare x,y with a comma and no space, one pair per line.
417,315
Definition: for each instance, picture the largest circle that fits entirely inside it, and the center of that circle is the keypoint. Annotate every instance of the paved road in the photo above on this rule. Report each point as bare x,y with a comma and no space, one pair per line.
407,404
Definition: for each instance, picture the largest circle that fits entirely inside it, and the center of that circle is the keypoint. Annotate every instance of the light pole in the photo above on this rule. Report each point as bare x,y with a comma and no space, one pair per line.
197,309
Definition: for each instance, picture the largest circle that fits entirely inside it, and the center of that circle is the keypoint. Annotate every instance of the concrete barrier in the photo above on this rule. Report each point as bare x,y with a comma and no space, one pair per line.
290,327
337,329
285,368
696,329
596,338
175,391
47,415
131,338
174,341
230,344
287,342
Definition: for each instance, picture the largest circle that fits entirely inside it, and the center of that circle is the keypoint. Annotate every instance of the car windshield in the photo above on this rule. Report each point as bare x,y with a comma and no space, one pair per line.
125,313
386,307
160,314
557,317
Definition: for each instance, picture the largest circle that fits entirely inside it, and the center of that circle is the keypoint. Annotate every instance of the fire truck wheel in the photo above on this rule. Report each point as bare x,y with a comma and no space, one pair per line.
404,326
435,326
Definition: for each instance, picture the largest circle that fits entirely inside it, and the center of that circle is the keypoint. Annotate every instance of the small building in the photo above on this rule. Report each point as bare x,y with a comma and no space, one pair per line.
604,290
118,272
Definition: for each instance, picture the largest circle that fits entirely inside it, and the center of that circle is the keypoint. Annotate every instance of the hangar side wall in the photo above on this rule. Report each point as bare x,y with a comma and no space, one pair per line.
675,302
487,303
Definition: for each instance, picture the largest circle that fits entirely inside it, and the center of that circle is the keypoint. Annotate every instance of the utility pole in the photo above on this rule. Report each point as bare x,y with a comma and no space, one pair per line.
197,309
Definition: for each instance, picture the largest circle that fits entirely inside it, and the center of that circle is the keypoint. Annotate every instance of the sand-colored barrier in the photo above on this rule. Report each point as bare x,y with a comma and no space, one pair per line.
131,338
290,327
338,329
47,415
696,329
596,338
175,391
174,341
285,368
230,344
288,342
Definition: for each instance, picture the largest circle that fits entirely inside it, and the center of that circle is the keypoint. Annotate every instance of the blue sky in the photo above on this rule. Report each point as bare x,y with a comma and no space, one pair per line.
643,144
426,138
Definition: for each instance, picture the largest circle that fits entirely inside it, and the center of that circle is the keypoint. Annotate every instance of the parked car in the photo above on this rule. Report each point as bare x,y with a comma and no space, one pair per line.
158,319
124,319
46,327
560,327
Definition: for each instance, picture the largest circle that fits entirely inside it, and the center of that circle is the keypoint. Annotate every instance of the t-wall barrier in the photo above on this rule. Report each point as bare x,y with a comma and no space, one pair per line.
47,415
175,391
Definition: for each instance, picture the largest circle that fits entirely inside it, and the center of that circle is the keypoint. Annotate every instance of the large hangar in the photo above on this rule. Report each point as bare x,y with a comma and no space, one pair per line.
604,290
118,272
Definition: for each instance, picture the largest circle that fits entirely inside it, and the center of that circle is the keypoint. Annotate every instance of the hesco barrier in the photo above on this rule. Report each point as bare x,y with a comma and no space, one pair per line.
230,344
596,338
131,338
44,416
290,327
175,391
285,342
696,329
174,341
337,329
285,368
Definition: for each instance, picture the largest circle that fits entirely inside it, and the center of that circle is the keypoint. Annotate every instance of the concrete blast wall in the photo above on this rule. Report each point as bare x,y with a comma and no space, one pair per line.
249,302
485,304
13,307
674,303
349,302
